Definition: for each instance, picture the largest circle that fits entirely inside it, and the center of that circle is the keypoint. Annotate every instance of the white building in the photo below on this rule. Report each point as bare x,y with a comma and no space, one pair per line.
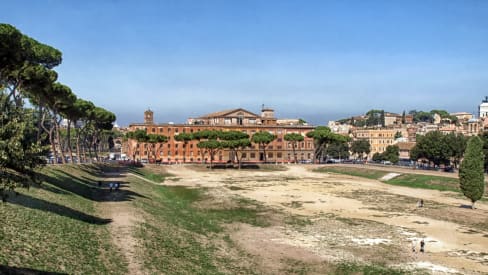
483,108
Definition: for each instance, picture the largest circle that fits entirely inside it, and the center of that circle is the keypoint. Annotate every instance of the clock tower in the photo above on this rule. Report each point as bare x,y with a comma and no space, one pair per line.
148,117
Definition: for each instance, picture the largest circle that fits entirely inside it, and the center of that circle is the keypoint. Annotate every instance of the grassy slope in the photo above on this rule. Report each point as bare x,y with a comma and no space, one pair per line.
54,227
409,180
180,237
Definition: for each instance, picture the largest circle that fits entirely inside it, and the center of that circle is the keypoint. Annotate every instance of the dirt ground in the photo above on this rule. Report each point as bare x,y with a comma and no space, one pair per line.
352,219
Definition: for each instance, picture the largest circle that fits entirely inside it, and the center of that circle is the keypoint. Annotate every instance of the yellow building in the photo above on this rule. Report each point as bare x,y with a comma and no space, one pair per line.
379,139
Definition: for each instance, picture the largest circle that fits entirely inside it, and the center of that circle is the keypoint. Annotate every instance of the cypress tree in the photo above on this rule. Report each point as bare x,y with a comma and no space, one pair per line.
471,173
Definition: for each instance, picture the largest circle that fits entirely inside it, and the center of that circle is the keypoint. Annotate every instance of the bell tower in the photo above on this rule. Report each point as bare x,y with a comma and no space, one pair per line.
148,117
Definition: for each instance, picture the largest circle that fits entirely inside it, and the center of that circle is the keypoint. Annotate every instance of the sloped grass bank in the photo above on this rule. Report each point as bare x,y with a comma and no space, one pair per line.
150,174
409,180
353,171
54,228
182,237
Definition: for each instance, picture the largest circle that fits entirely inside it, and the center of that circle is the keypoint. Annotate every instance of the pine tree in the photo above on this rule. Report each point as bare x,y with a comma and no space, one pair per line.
471,176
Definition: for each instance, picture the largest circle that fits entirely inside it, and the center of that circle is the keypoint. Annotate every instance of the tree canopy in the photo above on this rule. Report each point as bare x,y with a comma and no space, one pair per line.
439,148
263,139
322,137
361,147
294,138
471,172
26,74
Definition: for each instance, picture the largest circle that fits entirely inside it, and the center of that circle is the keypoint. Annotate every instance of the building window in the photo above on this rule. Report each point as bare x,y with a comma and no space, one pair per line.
279,155
270,155
253,155
244,155
227,121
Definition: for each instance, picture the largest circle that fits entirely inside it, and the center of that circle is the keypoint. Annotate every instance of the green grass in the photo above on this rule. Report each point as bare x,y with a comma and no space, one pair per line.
353,171
148,174
426,182
178,235
54,227
409,180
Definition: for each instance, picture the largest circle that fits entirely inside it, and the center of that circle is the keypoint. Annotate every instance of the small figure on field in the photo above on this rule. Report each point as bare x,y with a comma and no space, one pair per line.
422,246
420,203
99,183
117,185
413,246
111,186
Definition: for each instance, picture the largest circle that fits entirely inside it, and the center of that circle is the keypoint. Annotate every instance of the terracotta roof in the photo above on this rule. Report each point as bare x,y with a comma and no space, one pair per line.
226,112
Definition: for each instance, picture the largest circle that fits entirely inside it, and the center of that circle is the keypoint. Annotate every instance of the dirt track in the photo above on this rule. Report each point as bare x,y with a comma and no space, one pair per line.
379,217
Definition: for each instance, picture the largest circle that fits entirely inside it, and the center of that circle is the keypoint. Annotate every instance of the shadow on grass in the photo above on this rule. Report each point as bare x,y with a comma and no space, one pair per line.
10,270
63,183
38,204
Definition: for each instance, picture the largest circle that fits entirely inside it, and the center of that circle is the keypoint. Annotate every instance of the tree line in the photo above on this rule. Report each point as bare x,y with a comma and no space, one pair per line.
33,105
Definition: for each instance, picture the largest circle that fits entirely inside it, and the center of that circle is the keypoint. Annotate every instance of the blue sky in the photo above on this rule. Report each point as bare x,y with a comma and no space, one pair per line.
319,60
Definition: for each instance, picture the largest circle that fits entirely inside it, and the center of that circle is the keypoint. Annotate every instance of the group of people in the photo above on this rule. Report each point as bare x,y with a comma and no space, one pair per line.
422,246
112,185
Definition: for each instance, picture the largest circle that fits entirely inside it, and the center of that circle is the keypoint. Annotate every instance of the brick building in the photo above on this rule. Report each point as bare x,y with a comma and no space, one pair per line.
230,120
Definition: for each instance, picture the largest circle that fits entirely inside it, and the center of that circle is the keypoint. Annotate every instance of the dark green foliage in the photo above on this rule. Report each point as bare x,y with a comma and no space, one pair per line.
433,147
236,142
471,176
484,138
375,118
322,137
392,154
20,153
361,147
338,150
263,139
26,74
377,157
294,139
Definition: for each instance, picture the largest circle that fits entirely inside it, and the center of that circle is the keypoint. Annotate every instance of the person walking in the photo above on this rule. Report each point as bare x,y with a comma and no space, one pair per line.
422,246
111,186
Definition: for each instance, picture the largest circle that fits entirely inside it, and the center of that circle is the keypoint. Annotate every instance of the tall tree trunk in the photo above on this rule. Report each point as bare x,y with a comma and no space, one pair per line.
51,139
68,133
78,155
39,121
58,139
294,153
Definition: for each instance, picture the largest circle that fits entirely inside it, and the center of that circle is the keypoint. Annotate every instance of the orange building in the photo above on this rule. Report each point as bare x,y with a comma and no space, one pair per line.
231,120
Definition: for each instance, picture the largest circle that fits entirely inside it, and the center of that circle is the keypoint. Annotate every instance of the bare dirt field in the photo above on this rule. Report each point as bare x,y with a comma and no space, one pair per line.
344,218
